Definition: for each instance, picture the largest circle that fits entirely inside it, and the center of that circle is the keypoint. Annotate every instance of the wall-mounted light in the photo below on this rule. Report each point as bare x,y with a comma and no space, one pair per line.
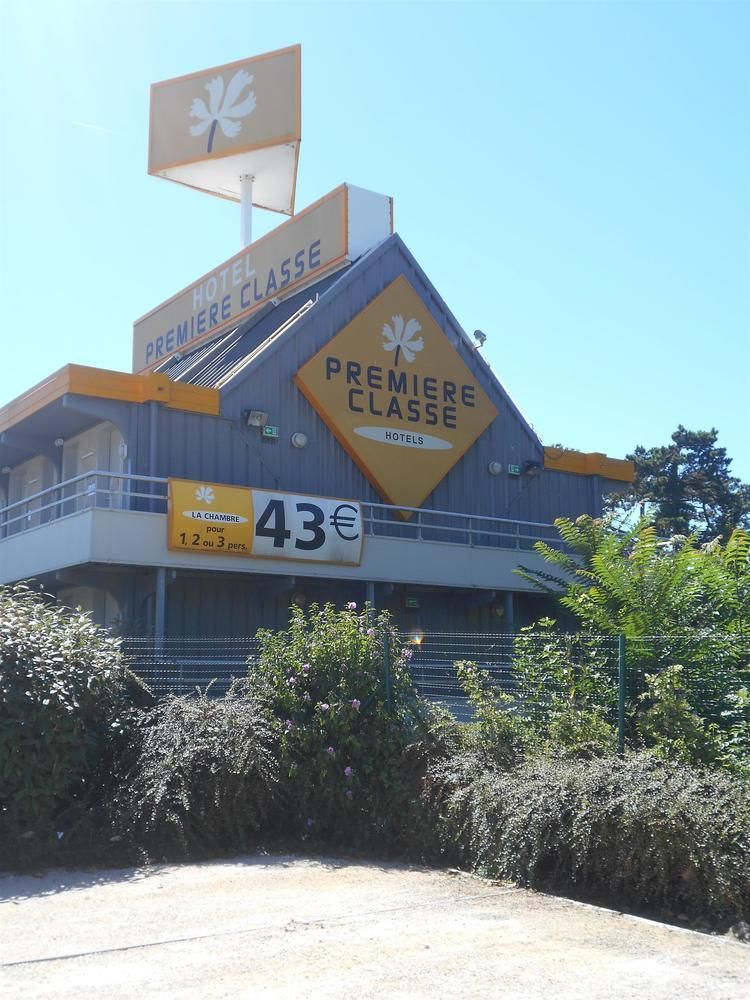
495,468
416,637
255,418
532,469
298,439
479,338
59,442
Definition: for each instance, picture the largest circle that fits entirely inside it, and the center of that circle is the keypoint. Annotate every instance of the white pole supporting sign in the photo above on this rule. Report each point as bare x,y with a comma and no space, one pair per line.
246,205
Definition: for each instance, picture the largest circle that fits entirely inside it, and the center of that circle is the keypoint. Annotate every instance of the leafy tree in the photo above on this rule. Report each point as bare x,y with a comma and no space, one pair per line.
684,609
690,483
635,584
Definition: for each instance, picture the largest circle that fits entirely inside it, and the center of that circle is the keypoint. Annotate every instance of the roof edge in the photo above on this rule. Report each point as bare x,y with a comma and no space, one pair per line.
104,384
593,463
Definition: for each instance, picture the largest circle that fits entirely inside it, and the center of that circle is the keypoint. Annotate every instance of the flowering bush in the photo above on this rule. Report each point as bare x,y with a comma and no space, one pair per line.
347,732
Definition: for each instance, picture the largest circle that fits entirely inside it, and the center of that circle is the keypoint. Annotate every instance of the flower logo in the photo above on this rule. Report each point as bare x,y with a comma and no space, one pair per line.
401,338
223,112
204,494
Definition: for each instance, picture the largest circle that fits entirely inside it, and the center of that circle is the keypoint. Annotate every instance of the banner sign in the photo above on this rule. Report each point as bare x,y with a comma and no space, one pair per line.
397,395
241,521
338,227
206,129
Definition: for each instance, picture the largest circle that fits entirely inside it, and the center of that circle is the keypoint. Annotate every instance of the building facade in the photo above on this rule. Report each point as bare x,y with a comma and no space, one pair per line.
446,515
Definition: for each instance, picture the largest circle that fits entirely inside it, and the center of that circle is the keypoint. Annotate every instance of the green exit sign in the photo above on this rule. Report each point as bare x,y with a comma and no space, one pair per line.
514,470
269,431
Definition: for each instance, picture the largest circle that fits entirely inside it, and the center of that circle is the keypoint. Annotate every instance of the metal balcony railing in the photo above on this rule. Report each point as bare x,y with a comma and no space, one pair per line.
148,494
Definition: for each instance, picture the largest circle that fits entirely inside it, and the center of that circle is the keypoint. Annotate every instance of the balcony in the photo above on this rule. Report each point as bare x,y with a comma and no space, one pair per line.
103,518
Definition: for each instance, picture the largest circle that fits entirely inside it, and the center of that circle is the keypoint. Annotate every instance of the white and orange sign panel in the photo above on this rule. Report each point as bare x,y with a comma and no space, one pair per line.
395,392
208,128
266,524
339,227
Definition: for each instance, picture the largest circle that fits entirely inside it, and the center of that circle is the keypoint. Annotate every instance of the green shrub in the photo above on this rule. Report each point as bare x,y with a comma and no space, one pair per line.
563,696
353,747
61,710
567,687
669,725
638,833
496,730
202,777
735,733
583,731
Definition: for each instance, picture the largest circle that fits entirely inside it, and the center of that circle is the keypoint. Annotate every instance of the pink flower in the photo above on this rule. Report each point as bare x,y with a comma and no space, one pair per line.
289,725
351,606
348,772
330,751
324,707
371,631
356,703
305,668
291,681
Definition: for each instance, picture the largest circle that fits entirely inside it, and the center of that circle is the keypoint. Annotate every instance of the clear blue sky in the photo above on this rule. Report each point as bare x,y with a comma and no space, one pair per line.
574,179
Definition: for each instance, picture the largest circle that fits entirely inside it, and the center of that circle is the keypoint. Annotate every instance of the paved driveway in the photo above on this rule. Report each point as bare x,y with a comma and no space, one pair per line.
290,927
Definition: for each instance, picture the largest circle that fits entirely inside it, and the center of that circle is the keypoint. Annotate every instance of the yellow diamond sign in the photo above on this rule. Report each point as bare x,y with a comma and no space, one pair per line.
396,394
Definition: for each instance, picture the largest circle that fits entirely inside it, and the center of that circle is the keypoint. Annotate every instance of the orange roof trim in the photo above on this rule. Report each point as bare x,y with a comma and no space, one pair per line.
105,384
592,463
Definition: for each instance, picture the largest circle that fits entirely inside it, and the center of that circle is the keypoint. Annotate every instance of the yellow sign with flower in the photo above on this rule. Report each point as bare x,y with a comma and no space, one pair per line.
395,392
206,517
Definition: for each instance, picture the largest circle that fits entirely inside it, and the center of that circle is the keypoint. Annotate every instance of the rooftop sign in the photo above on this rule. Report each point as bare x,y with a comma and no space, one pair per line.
207,129
332,231
396,394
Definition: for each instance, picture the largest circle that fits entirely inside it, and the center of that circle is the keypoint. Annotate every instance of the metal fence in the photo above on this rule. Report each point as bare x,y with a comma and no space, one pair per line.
534,674
182,666
148,494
